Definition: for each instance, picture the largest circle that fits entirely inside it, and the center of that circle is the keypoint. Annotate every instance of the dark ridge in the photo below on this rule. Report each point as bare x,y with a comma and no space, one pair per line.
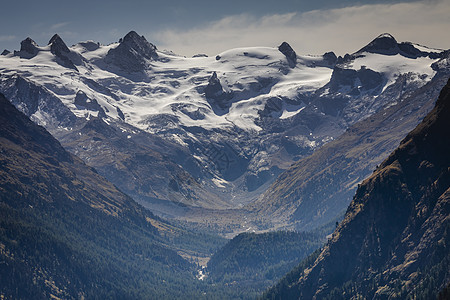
383,44
64,56
290,54
132,53
28,49
57,45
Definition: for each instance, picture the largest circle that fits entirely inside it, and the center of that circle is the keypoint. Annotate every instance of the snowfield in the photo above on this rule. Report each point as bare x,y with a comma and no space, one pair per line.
243,116
172,85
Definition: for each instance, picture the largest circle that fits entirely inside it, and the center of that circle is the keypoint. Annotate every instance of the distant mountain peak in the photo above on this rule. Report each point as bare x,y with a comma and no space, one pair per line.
386,35
139,44
62,52
290,54
213,79
28,48
28,44
132,52
383,44
386,44
131,36
57,45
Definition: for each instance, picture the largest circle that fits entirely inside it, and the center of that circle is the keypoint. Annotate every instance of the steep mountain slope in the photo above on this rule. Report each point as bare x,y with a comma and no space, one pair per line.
141,165
218,129
318,188
66,232
394,240
252,262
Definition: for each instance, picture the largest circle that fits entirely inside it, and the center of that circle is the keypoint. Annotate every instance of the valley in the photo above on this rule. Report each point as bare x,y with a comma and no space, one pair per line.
217,174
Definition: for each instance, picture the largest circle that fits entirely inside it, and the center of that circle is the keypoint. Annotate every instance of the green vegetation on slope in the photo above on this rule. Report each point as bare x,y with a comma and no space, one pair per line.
251,262
394,241
66,232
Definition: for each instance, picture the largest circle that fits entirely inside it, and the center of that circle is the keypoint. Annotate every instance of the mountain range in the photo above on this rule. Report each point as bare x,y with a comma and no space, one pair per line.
122,167
207,136
394,240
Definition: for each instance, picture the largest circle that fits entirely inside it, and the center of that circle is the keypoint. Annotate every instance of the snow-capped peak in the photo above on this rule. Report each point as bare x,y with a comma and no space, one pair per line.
386,44
28,48
233,111
132,53
57,45
138,43
290,54
383,44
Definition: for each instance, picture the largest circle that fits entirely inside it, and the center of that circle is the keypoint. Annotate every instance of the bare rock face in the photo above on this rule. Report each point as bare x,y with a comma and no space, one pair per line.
57,45
82,100
214,88
366,78
63,54
383,44
28,49
132,53
215,94
290,54
330,58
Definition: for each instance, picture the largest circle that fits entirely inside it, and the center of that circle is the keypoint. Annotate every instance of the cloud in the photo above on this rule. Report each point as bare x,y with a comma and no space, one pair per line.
315,32
7,38
59,25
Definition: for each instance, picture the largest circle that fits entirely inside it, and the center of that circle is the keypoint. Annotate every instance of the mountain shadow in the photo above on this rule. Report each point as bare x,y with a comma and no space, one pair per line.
66,232
394,240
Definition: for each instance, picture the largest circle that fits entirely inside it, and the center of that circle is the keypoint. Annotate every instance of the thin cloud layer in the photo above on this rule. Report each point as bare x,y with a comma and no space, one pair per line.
7,38
315,32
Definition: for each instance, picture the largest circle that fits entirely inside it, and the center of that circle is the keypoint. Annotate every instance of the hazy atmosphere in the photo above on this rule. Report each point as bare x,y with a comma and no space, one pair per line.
286,149
188,28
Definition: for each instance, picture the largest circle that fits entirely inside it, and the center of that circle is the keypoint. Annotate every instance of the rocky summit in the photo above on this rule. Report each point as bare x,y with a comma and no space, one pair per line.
220,129
130,172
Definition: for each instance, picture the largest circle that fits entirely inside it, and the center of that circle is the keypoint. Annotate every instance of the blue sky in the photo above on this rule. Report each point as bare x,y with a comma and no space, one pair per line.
200,26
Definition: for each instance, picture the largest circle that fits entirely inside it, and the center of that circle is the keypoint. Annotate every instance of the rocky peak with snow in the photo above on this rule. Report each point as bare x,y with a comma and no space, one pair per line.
132,53
241,119
28,48
386,44
383,44
57,45
63,53
214,87
290,54
216,95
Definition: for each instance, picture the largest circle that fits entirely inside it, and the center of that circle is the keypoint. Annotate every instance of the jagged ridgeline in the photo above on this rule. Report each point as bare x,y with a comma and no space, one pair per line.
250,139
394,242
188,136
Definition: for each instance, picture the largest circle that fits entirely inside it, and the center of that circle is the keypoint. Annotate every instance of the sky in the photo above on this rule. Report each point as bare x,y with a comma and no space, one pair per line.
210,27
